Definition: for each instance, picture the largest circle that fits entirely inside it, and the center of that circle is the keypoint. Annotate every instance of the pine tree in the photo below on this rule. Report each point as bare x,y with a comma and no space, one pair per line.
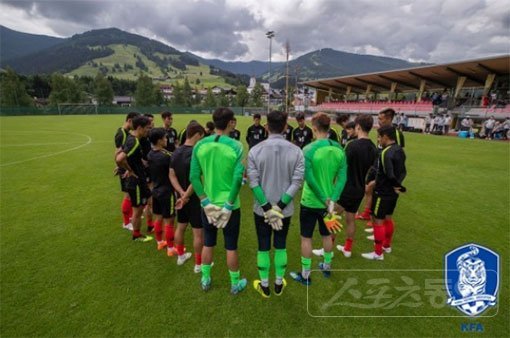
12,90
103,90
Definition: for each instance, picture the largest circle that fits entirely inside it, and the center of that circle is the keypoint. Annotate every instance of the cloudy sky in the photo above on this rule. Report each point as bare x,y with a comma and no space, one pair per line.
431,31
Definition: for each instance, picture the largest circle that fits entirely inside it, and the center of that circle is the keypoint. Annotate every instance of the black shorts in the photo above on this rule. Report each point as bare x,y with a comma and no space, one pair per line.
190,213
308,217
123,184
349,203
163,204
230,232
264,232
139,192
383,206
148,175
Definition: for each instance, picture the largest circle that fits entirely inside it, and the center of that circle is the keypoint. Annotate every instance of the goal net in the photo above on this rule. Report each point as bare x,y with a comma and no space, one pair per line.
77,108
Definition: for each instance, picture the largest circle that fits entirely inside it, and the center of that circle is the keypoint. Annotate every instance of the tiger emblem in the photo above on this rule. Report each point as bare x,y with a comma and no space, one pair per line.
472,274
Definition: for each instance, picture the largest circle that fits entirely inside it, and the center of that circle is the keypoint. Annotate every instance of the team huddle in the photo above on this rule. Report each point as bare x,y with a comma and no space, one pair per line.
195,178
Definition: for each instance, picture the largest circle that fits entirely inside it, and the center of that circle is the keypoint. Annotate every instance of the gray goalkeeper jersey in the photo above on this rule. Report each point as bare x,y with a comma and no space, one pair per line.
278,166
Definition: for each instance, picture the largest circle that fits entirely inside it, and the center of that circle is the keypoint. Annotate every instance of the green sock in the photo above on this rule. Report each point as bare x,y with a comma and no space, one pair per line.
263,263
234,277
327,257
280,264
206,272
306,266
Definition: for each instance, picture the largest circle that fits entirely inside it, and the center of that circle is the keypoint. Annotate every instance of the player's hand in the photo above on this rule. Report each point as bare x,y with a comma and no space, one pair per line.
224,216
333,224
211,211
400,190
274,217
331,207
181,202
116,171
129,173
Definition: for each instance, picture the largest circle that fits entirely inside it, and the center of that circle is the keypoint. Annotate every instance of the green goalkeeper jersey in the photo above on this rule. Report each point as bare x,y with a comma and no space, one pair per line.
216,169
325,173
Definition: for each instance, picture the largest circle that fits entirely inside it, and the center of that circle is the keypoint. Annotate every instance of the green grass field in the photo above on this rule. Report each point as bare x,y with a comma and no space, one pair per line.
68,269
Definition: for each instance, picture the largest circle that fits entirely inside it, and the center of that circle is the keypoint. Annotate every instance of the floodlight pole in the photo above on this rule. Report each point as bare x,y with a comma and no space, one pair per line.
270,36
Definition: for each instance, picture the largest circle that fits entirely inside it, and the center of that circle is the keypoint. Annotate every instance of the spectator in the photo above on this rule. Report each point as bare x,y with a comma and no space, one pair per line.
464,124
506,128
489,125
436,120
441,124
402,123
447,123
428,120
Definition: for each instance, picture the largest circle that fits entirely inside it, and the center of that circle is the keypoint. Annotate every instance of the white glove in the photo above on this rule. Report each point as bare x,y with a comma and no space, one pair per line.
211,211
274,217
224,216
331,207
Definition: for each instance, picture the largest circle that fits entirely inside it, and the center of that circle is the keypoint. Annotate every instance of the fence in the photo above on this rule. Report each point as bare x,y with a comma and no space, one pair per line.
81,109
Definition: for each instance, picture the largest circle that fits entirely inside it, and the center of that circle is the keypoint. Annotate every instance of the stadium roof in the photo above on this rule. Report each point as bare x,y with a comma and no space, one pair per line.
436,76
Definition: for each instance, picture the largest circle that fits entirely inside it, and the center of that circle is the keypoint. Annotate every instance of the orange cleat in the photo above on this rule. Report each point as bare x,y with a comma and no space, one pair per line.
161,245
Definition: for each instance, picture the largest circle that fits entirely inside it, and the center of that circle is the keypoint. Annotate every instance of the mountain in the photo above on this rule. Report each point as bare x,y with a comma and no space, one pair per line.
120,54
252,68
15,44
328,62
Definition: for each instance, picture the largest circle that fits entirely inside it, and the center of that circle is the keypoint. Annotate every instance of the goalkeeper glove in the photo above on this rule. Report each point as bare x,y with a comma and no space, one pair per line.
224,215
331,207
273,217
332,223
211,211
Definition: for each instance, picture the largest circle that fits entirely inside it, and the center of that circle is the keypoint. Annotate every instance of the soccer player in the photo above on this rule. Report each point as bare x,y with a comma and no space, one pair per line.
163,199
325,176
130,158
209,128
342,121
332,134
275,169
145,143
216,174
256,133
235,134
288,132
120,140
188,204
182,133
302,135
391,171
385,118
361,154
350,129
171,133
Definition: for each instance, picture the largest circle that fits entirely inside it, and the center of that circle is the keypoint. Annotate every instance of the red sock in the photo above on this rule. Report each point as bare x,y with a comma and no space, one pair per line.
169,235
158,229
378,238
126,210
366,212
389,229
149,220
348,244
180,249
136,233
198,259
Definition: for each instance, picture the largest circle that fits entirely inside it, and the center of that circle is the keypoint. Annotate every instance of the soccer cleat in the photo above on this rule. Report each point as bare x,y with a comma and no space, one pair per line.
170,251
318,252
346,253
161,245
278,288
241,285
363,217
387,250
182,259
264,291
197,268
142,238
373,256
369,230
370,238
128,226
298,277
205,284
326,272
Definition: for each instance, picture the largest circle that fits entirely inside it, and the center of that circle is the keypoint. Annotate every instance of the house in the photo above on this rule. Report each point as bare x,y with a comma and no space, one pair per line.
123,101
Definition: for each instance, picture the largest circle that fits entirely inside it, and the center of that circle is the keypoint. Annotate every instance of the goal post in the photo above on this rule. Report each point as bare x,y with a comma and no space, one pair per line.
77,108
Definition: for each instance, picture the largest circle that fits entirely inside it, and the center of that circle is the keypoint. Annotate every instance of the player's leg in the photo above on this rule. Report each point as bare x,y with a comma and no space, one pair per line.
369,190
307,220
126,208
231,237
169,225
327,243
182,223
149,216
280,256
139,196
379,211
210,236
351,205
389,225
263,255
157,210
195,220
